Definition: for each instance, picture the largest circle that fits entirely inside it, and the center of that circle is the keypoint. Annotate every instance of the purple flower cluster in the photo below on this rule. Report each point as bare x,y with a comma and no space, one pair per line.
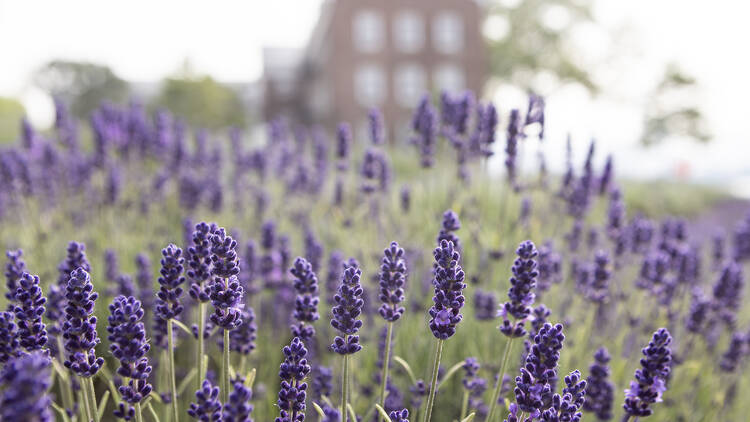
242,338
14,268
238,407
207,407
425,125
599,389
392,278
451,223
200,261
128,344
306,302
168,304
79,328
348,306
485,305
448,300
293,390
650,379
32,332
8,337
226,292
399,415
566,408
533,387
24,382
521,295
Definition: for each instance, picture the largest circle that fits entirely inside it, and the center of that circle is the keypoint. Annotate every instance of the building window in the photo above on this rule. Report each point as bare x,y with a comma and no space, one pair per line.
448,32
410,84
368,31
450,78
369,85
408,31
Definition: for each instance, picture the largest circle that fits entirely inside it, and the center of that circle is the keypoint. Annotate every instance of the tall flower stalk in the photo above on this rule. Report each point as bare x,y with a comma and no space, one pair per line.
168,307
199,273
348,307
445,313
392,279
293,390
518,307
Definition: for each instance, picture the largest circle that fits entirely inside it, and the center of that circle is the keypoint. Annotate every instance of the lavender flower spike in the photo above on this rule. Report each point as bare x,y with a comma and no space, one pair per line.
399,416
168,304
24,383
306,302
449,284
8,337
392,279
32,332
238,407
348,306
293,390
650,379
13,271
599,390
79,328
207,407
520,293
226,293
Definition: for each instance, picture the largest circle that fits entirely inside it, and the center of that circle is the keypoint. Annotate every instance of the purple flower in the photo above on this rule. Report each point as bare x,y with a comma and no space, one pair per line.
330,414
348,306
8,337
32,332
14,268
207,407
727,292
598,287
168,304
451,223
470,367
607,175
143,278
238,407
485,305
343,146
698,315
535,112
566,408
533,390
424,124
76,258
322,381
226,293
550,267
200,261
79,328
448,300
405,198
128,344
335,263
738,350
521,295
392,278
111,269
293,390
399,415
418,392
375,119
599,389
306,302
24,382
650,379
513,135
242,338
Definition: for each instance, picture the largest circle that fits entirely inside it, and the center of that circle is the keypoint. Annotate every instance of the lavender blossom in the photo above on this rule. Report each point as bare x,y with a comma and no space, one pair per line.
650,379
485,305
128,344
322,381
111,269
348,306
599,389
168,304
533,390
375,119
399,415
566,407
242,338
738,349
32,332
24,383
226,293
450,224
238,407
514,134
200,261
598,289
550,267
523,282
392,278
8,337
207,407
445,313
79,328
727,292
424,124
293,390
306,302
14,268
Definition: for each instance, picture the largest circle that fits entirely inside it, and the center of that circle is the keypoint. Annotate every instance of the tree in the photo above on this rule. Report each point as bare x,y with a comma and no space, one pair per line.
201,101
82,85
11,113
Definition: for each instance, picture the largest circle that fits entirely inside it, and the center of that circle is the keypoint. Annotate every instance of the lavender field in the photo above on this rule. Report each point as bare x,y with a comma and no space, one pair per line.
157,272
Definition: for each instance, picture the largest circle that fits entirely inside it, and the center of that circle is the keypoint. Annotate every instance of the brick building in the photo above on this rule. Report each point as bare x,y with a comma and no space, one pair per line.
376,53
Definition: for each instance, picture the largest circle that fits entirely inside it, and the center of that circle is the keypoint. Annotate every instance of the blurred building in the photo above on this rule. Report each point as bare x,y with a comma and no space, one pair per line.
376,53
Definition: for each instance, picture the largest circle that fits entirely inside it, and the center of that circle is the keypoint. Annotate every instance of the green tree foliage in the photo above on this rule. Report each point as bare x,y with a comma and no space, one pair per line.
11,113
202,101
82,85
537,39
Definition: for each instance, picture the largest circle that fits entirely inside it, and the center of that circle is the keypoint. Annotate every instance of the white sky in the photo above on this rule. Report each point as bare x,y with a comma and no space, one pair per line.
144,40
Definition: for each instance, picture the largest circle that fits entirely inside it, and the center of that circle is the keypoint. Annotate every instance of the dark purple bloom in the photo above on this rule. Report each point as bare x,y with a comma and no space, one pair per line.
698,315
313,250
566,408
392,278
242,339
533,390
144,280
111,269
238,407
550,267
650,379
123,285
24,382
424,124
375,119
306,302
14,268
333,276
607,175
200,261
513,135
322,381
79,328
331,414
293,390
418,392
348,306
599,389
8,337
485,305
470,367
168,304
343,146
521,295
399,416
727,292
128,344
207,407
451,223
226,293
738,349
32,332
405,198
445,313
76,258
598,286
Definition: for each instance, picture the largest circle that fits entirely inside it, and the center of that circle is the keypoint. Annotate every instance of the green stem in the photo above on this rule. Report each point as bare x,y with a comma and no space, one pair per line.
499,382
225,369
67,389
138,413
344,384
87,401
92,397
170,341
386,364
201,328
433,383
464,405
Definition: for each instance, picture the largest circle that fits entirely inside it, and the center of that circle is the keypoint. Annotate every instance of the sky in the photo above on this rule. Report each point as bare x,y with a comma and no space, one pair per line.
146,40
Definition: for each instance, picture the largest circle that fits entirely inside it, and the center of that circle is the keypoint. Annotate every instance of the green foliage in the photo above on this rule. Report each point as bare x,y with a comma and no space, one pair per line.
202,101
82,85
11,113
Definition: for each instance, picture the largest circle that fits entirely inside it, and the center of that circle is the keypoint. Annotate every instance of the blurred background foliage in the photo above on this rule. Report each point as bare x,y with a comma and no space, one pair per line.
11,112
